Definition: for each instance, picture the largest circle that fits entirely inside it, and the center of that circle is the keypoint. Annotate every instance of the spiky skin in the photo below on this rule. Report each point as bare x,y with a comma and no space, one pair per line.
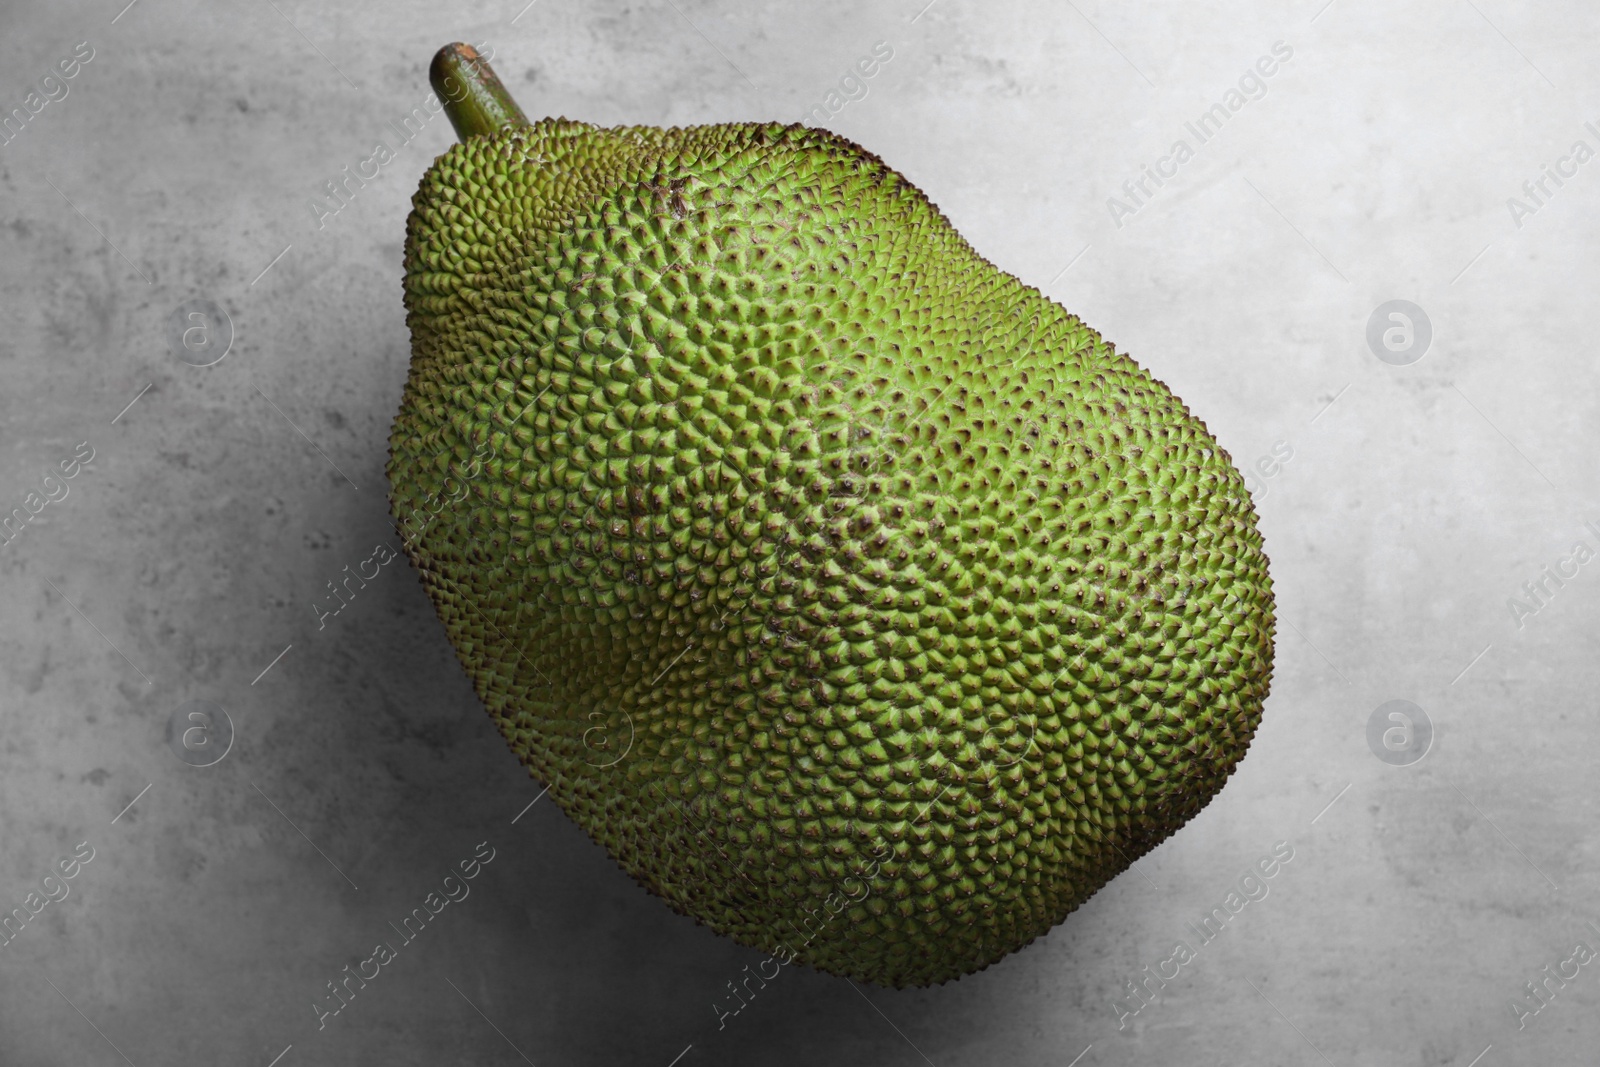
865,604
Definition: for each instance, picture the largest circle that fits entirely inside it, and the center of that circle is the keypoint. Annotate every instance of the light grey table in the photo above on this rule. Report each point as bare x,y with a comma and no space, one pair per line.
1409,504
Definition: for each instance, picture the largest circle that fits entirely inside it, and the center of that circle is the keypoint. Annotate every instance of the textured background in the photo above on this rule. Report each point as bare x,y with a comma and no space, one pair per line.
193,549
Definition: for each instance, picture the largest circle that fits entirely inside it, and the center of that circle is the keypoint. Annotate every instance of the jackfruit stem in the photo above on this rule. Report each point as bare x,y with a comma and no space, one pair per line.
471,92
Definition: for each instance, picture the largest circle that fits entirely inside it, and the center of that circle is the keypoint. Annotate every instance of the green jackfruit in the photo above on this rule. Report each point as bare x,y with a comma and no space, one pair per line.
866,605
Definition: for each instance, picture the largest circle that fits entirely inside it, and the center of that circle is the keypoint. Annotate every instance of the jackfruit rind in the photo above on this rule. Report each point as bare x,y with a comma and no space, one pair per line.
866,605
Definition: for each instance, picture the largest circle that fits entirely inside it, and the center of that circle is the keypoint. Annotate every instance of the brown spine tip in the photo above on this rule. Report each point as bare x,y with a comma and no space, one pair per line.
471,92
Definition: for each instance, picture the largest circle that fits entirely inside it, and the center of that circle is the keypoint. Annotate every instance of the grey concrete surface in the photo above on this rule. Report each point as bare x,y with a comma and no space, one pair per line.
185,561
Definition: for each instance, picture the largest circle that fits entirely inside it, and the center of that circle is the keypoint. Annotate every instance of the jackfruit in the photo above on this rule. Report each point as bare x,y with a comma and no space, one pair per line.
861,601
